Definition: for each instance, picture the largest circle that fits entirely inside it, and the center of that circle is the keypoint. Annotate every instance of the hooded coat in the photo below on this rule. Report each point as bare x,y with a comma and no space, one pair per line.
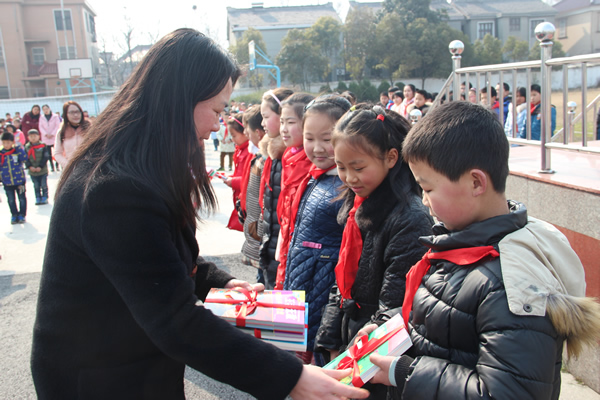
495,329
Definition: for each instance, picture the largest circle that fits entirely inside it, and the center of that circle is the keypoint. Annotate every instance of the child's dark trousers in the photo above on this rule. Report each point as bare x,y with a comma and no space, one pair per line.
40,185
11,193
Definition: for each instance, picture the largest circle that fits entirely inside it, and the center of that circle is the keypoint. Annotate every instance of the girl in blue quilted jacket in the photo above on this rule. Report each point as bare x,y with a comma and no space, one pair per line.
316,235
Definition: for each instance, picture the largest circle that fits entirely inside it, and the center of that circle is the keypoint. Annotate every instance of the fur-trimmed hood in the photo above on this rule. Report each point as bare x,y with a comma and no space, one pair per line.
553,282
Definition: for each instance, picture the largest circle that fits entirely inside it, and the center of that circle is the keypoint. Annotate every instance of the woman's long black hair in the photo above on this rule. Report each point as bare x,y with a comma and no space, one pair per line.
147,132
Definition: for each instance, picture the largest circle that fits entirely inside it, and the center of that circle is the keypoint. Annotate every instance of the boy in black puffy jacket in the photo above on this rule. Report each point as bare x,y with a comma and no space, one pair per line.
491,303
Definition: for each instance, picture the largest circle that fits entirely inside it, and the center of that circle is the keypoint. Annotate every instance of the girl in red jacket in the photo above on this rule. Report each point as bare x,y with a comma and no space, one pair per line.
241,158
295,166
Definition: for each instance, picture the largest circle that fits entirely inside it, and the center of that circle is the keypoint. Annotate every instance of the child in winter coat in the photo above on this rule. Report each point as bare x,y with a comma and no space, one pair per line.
270,182
241,158
249,209
38,155
490,305
227,146
295,166
315,233
383,217
12,159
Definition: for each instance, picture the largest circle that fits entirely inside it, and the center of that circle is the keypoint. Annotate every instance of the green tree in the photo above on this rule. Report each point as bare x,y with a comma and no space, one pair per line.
300,61
488,51
515,50
425,50
359,36
535,52
326,33
410,10
391,46
240,51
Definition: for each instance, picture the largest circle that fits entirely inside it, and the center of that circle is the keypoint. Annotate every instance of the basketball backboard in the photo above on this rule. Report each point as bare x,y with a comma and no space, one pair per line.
78,68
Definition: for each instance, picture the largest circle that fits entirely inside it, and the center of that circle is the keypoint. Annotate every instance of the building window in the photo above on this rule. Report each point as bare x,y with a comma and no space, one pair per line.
562,28
1,57
534,23
92,30
4,92
515,24
598,25
39,55
58,20
483,28
63,52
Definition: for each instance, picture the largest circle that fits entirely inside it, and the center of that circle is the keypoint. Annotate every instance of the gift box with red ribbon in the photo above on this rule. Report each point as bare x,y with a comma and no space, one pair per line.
277,317
390,339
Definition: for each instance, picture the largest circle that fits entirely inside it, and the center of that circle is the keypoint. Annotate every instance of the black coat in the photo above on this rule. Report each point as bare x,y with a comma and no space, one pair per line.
390,229
467,343
268,245
117,316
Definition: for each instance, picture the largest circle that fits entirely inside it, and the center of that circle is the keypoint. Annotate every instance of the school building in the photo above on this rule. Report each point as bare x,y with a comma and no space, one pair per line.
36,33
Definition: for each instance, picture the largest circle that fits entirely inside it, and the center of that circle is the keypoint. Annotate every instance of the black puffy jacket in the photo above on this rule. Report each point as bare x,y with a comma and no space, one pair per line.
390,230
467,343
315,247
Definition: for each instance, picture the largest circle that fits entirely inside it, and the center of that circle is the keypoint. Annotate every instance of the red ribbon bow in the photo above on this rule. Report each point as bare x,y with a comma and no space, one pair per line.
249,304
9,152
367,347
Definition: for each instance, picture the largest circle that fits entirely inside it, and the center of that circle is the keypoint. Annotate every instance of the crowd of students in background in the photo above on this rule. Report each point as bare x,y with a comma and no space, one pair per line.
32,143
328,204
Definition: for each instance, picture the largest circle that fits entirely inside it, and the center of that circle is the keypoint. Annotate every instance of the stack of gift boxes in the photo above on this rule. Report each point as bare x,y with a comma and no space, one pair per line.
277,317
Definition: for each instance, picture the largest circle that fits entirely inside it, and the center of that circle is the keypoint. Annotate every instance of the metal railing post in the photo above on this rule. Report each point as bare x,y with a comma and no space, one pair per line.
569,130
544,33
456,48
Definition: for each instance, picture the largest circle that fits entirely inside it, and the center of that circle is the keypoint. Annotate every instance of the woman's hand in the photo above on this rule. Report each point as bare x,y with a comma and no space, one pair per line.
259,287
322,384
227,181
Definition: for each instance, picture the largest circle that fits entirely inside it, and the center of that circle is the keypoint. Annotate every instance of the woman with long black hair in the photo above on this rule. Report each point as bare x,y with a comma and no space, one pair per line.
117,316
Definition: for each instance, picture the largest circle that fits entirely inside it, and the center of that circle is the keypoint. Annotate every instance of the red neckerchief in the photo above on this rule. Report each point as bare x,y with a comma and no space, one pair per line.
295,167
350,251
533,107
465,256
315,173
496,105
265,180
245,180
238,150
32,149
9,152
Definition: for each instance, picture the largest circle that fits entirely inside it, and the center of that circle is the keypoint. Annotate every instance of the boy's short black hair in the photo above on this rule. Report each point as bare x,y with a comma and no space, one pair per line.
422,93
393,89
457,137
536,88
8,136
253,118
522,91
492,91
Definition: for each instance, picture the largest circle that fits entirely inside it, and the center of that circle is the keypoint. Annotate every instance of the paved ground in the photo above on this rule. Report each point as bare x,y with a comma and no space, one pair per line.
22,249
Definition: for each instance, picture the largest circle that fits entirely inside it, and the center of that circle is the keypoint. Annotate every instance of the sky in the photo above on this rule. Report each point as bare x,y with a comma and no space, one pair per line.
151,22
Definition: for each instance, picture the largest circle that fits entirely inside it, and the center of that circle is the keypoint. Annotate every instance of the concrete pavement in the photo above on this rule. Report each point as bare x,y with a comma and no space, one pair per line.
22,249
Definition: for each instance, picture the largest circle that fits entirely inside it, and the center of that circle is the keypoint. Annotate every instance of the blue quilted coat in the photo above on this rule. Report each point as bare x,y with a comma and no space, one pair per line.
315,247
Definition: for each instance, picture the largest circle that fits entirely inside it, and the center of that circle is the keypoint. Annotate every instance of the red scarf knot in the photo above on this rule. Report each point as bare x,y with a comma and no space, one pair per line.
9,152
463,257
32,150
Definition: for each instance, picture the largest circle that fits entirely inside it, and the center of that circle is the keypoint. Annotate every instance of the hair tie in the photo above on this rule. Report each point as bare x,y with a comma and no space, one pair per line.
270,93
236,120
353,108
380,117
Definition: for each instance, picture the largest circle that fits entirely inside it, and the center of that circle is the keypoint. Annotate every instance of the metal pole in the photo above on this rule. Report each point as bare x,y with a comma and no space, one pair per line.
528,102
584,104
514,104
501,95
456,48
570,128
565,101
544,32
